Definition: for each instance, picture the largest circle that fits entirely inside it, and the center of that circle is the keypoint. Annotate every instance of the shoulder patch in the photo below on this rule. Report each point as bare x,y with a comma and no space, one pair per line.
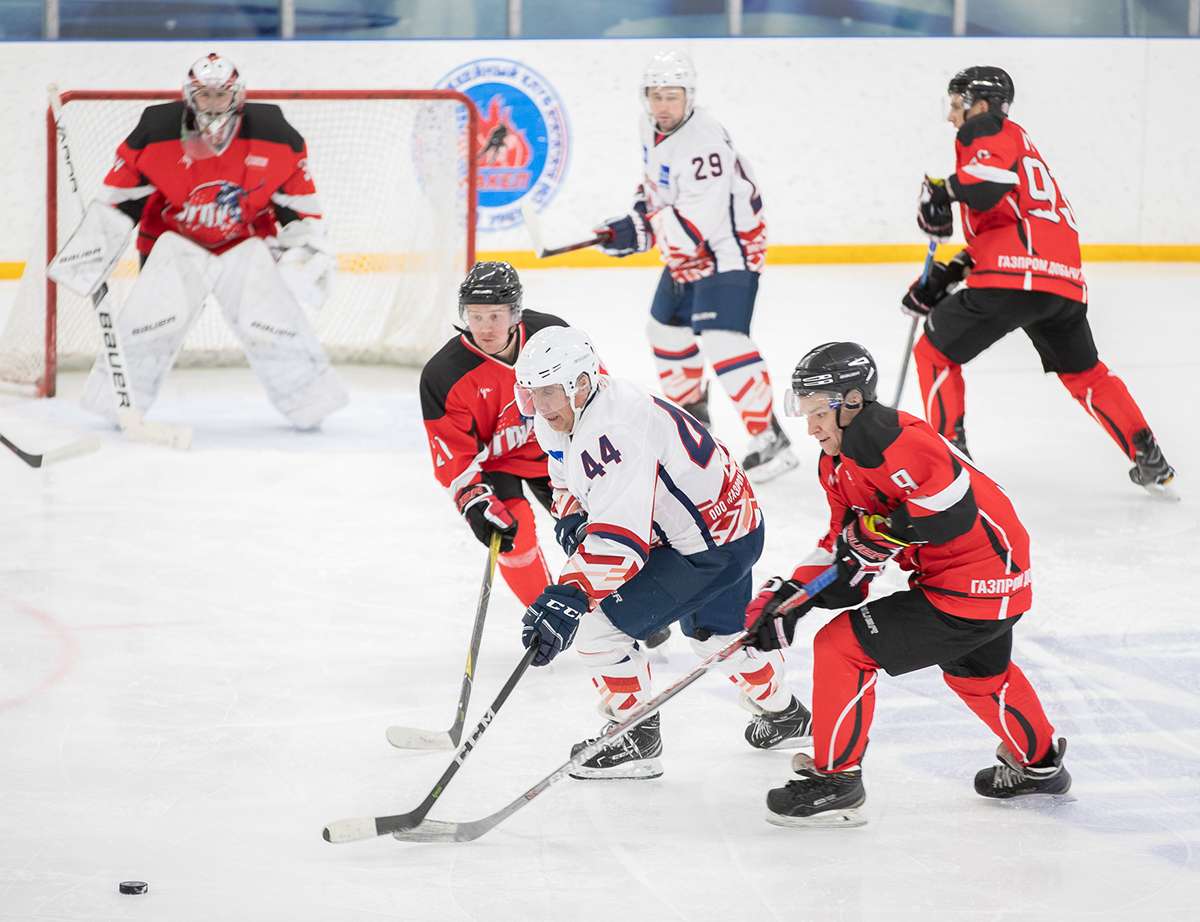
264,121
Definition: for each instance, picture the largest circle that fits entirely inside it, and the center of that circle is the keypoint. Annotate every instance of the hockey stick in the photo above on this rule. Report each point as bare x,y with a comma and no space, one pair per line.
442,831
912,328
413,738
369,827
128,417
70,450
534,225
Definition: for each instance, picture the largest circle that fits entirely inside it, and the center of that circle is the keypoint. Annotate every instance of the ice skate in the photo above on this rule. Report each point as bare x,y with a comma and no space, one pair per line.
1151,471
659,637
784,729
770,454
1012,779
632,756
699,409
817,799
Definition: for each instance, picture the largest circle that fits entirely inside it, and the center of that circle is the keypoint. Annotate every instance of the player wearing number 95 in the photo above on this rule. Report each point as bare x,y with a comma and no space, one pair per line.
660,525
1022,270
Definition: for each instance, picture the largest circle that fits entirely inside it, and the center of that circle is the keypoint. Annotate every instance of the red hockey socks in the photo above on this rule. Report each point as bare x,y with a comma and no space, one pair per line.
943,391
843,696
524,568
1109,403
1008,704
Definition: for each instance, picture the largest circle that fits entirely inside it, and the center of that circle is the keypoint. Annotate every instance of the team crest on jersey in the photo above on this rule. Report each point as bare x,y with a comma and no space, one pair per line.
523,140
213,206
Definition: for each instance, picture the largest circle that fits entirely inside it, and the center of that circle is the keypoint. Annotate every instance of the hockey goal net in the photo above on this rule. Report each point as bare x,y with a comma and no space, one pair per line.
395,171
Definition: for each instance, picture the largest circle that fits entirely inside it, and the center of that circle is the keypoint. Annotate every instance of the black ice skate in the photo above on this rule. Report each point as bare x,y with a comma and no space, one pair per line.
699,409
770,454
817,799
1150,469
634,755
784,729
960,439
659,637
1012,779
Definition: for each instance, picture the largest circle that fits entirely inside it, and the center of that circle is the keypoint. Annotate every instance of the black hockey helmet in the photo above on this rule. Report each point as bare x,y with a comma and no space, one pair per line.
982,82
491,283
832,370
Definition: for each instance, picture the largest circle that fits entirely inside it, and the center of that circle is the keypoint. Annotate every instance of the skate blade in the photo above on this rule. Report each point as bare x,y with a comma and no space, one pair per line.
783,462
832,819
1163,492
792,742
642,770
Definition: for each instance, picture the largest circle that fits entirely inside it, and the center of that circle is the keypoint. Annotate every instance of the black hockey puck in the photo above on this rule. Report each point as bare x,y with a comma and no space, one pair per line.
133,886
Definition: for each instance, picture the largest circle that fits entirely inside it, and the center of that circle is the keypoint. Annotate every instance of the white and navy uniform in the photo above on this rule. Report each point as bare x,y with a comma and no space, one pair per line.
673,532
706,211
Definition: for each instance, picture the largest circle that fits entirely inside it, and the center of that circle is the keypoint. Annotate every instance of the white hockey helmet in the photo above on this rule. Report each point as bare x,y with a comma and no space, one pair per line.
553,358
670,68
215,94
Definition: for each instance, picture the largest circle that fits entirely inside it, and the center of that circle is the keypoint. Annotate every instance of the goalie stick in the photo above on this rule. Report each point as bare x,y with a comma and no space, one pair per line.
70,450
129,418
534,225
368,827
912,327
444,831
413,738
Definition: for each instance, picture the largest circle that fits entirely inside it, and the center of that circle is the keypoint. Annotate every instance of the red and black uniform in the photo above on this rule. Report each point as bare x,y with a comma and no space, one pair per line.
477,434
259,181
1026,274
970,581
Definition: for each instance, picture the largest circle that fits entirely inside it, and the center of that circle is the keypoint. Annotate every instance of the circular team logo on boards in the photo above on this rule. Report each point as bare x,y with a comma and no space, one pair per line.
523,140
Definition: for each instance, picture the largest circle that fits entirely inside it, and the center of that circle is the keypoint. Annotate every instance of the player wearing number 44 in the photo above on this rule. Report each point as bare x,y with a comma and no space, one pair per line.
1022,270
660,525
699,200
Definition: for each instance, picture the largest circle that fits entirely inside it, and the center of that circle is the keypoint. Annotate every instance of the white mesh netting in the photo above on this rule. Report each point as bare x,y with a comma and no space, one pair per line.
392,176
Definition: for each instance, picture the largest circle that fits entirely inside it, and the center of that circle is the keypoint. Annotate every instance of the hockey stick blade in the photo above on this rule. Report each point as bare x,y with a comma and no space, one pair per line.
137,429
412,738
70,450
533,224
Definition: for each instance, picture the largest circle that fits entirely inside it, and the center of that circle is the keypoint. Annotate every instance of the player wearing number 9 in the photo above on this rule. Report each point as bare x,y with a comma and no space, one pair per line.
672,531
1022,270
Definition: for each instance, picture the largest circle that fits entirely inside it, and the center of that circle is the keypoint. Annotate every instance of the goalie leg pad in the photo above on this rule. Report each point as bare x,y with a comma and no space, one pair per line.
277,337
154,321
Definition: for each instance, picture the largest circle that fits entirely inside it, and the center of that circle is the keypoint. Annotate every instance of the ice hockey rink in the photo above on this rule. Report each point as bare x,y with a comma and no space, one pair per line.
199,653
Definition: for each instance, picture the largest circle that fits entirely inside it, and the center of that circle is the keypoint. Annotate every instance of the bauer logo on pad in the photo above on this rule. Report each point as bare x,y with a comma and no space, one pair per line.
523,140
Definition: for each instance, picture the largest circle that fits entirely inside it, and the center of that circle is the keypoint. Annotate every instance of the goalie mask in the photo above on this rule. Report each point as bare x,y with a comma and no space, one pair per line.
548,371
670,69
214,94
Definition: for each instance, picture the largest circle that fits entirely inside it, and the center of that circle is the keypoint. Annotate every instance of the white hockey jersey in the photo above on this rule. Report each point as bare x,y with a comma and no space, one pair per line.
648,475
702,200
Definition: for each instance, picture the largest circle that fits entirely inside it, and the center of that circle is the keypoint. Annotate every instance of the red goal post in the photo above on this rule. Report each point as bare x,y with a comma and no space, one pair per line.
397,174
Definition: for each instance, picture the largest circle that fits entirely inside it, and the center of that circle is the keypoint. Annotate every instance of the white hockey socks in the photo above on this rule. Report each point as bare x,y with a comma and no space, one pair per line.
679,361
617,663
743,374
758,676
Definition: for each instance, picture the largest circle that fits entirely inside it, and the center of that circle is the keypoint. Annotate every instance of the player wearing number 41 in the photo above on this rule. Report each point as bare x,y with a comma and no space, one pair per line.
660,525
897,491
224,204
698,199
1022,270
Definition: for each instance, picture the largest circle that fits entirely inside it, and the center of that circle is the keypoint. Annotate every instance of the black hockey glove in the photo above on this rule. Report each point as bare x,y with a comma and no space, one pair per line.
771,615
570,531
485,513
551,621
922,297
934,215
863,549
627,234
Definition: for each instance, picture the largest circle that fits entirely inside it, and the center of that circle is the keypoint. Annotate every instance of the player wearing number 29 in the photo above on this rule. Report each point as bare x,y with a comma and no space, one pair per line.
1022,270
660,525
896,490
225,206
698,199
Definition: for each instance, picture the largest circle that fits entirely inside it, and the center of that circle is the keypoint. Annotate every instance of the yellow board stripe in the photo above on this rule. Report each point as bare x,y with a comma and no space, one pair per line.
779,255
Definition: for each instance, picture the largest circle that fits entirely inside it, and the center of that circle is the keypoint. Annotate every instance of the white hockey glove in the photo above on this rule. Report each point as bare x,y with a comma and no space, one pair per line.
90,253
306,259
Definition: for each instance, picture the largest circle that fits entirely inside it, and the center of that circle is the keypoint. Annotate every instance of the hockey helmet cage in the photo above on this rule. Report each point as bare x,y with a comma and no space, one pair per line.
491,283
982,82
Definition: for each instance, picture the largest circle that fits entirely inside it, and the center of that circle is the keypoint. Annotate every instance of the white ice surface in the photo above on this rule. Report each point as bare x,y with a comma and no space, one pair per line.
199,653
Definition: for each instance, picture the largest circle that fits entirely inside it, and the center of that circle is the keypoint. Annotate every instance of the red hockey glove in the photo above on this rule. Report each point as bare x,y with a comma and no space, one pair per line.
485,513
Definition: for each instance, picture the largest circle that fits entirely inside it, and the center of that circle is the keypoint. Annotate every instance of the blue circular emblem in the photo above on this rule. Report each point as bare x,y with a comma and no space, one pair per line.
522,142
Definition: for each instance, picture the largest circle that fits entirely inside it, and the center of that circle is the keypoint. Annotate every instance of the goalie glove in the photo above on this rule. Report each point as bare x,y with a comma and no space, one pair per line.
922,297
627,234
485,513
91,252
934,215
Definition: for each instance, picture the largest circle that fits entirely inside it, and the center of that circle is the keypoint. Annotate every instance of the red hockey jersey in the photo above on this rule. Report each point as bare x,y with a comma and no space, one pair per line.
970,552
260,180
1020,229
471,415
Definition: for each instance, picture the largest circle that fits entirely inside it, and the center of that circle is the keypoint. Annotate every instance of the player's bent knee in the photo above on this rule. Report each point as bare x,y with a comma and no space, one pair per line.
836,640
975,686
927,353
600,642
1079,383
663,336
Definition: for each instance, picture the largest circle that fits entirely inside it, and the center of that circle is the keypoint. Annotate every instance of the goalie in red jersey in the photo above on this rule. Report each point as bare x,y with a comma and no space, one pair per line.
1022,271
896,490
483,450
224,205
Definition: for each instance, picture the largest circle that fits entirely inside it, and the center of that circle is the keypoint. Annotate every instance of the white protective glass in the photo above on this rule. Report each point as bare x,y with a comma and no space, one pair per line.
801,405
550,398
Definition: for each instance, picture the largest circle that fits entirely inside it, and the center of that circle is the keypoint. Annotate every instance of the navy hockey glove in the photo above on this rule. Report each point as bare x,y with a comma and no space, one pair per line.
570,531
627,233
922,297
552,620
485,513
771,615
934,215
864,548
